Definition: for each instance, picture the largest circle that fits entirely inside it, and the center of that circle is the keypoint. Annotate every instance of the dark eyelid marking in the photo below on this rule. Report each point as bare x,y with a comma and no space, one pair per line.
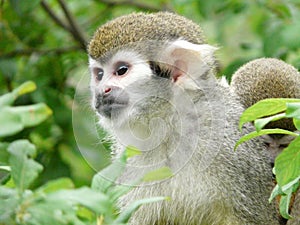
121,68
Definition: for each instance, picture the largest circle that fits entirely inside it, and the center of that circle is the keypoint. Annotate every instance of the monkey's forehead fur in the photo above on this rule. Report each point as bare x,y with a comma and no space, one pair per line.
142,27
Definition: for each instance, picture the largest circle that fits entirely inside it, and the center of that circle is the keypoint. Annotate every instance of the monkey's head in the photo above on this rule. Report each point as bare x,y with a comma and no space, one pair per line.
267,78
140,27
138,62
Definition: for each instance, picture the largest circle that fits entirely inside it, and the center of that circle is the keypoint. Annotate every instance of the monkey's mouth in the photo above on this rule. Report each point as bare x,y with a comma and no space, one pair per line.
110,106
111,110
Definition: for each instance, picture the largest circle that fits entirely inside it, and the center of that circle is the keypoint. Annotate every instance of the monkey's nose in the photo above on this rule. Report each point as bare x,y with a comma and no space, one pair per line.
107,90
111,100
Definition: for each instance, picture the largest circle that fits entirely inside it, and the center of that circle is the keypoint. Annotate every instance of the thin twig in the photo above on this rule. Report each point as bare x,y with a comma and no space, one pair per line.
71,27
54,17
75,30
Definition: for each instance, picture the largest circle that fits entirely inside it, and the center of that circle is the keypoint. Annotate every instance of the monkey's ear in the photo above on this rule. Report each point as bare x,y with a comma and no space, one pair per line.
189,62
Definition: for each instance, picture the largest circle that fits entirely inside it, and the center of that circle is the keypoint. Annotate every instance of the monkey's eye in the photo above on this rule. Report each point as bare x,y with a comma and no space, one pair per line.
121,68
98,73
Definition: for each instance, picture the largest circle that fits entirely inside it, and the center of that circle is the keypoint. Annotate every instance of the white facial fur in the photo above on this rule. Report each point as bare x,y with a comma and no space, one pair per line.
139,69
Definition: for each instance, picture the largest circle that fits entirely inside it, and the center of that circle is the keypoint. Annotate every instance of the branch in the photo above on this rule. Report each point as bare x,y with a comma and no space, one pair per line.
138,4
71,27
54,17
77,34
30,51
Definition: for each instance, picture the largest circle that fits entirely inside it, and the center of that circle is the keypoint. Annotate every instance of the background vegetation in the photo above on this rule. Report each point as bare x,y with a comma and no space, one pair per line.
45,41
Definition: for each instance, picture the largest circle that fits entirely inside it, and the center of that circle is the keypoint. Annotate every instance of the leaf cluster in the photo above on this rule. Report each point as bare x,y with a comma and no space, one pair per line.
287,163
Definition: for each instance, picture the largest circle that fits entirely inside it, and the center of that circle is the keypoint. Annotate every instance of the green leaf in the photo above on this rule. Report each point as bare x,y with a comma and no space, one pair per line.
87,215
5,168
287,164
279,8
5,174
32,115
260,123
9,202
159,174
103,180
10,123
126,214
55,185
15,119
117,191
260,133
263,108
93,200
52,212
276,191
297,123
294,184
293,110
284,205
286,194
4,155
132,151
62,207
9,98
24,170
24,88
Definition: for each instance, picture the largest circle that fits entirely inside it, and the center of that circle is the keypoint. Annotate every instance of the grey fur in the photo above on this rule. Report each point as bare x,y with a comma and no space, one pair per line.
216,186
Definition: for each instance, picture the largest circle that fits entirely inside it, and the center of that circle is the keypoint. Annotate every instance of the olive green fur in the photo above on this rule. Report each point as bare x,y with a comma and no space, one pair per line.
141,27
267,78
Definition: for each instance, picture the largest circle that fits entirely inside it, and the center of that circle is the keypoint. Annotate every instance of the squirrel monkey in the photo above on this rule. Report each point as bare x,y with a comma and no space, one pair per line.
153,87
270,78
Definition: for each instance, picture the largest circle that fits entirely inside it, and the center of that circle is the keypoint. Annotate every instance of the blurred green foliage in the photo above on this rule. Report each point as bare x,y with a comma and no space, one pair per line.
45,41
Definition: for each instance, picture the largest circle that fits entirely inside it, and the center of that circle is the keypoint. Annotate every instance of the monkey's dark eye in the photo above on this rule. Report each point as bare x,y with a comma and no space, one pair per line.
98,73
121,68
